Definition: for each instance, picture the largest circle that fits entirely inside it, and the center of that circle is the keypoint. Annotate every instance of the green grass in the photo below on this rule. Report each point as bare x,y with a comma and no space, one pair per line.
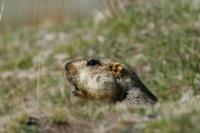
180,124
159,39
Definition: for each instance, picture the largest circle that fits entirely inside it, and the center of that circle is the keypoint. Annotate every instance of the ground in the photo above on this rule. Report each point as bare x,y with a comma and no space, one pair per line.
159,39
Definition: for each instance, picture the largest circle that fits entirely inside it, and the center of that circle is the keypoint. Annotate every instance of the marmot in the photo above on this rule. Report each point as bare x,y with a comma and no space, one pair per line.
107,79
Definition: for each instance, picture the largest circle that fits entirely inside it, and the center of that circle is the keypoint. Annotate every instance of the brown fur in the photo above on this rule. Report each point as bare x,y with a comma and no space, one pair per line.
107,79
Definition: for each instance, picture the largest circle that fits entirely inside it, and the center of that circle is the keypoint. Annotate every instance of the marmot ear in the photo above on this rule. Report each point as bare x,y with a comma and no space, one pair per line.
117,68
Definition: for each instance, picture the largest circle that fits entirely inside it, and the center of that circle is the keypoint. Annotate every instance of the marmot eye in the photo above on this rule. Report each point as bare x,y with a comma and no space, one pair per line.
93,62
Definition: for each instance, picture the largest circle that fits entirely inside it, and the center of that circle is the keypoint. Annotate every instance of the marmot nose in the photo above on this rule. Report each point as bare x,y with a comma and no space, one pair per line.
70,68
66,65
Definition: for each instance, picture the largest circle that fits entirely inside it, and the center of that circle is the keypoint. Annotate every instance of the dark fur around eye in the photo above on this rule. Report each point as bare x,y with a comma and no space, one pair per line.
93,62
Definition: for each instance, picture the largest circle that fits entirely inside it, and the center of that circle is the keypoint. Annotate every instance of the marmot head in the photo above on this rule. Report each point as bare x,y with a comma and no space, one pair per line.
94,78
106,79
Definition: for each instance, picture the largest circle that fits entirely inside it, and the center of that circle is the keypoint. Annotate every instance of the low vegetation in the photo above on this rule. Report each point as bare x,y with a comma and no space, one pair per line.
159,39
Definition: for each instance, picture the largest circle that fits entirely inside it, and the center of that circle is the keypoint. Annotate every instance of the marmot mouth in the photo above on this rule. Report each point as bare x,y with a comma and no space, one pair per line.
72,82
75,89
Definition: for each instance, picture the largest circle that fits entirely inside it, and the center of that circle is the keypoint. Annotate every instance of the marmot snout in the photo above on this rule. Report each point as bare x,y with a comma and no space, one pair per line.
106,79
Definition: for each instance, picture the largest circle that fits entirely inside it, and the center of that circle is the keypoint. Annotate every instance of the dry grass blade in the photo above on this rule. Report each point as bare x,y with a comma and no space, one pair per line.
2,9
38,81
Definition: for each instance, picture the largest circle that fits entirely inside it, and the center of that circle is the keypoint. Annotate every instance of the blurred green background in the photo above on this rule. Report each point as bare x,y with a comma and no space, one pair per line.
160,39
21,13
